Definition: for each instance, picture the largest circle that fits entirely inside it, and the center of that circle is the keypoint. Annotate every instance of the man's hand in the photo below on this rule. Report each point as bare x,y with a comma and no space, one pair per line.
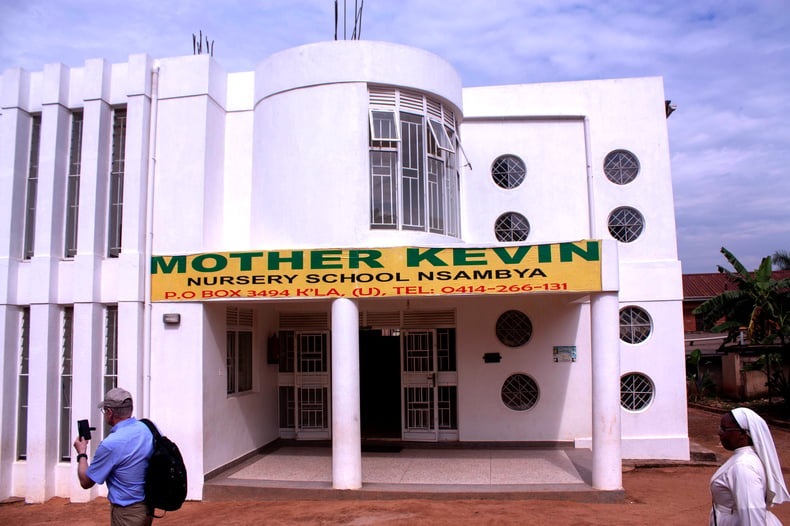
81,445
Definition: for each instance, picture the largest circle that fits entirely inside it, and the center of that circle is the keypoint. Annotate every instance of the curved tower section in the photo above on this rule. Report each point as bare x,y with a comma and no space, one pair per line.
355,144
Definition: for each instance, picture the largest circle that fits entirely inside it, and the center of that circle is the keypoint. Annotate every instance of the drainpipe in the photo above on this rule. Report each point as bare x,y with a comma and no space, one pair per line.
149,238
590,181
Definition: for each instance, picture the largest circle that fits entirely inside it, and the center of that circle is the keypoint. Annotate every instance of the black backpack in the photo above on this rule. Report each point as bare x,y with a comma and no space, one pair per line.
166,477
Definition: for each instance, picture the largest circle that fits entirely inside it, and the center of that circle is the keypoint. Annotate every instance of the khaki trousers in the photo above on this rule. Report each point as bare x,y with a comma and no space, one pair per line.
131,515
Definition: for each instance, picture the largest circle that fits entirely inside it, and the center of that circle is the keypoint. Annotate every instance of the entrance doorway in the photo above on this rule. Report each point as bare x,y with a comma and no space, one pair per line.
379,383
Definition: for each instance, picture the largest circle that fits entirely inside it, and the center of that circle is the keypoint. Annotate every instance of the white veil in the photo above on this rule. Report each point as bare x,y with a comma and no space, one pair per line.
755,426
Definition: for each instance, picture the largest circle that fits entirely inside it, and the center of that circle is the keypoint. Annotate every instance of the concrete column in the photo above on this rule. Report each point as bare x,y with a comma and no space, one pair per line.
606,438
86,390
346,432
42,403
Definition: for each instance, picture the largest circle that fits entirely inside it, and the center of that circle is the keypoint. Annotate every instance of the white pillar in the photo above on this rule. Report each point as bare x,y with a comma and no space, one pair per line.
346,433
606,446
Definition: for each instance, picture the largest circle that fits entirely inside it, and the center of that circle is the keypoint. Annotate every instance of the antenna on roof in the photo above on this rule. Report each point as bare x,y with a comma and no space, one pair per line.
356,34
197,45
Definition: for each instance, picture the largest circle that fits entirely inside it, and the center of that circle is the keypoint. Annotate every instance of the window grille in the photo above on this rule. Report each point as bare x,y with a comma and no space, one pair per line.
413,169
621,166
626,224
117,171
238,349
508,171
513,328
520,392
73,185
65,384
32,188
23,385
636,391
511,226
635,325
110,379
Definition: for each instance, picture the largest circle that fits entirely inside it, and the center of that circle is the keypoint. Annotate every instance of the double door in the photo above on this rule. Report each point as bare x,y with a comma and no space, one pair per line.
408,384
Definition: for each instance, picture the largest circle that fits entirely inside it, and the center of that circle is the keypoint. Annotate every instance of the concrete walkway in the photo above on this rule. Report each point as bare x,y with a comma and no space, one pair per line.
423,472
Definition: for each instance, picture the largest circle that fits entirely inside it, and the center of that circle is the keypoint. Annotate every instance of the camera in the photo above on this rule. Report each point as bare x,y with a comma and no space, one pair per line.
84,429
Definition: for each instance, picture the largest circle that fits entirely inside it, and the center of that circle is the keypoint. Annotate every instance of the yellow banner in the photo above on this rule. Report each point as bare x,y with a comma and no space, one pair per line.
374,272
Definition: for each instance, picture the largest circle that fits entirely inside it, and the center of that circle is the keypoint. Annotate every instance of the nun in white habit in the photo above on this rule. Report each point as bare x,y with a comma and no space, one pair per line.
751,481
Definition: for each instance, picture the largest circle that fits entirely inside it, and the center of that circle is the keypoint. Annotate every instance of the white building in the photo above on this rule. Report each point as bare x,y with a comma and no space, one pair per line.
343,243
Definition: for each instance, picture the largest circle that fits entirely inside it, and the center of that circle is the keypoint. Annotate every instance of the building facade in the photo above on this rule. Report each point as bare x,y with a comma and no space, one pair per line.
342,244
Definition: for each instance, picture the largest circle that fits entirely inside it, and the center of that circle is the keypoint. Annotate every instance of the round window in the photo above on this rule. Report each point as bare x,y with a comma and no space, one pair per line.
511,227
513,328
636,391
635,325
621,166
508,171
626,224
520,392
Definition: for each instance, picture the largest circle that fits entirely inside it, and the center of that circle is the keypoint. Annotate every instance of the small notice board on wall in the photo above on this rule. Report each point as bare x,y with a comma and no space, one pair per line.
564,353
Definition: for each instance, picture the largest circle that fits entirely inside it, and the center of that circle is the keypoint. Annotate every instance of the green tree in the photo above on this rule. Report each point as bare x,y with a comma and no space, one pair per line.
761,304
781,259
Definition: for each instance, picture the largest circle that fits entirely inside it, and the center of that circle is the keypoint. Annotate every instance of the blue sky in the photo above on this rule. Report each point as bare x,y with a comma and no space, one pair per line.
726,64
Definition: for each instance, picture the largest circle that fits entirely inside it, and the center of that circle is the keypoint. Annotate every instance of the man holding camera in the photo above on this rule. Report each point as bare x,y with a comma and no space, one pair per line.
120,460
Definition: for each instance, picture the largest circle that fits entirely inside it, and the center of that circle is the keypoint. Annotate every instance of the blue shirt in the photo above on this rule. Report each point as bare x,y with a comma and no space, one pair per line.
122,460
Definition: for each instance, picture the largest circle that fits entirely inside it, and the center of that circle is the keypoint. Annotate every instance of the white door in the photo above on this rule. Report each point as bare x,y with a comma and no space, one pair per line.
429,385
304,385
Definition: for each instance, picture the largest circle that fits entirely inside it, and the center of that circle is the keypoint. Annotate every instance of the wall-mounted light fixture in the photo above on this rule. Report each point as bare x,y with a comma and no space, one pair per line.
171,318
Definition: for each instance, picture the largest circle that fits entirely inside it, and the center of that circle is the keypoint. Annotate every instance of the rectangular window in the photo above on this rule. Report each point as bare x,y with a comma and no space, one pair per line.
65,384
452,181
439,134
117,170
238,341
383,126
287,407
384,189
32,187
24,375
412,177
110,378
73,185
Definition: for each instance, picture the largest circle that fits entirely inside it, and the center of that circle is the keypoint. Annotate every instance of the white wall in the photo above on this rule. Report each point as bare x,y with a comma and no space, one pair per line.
562,412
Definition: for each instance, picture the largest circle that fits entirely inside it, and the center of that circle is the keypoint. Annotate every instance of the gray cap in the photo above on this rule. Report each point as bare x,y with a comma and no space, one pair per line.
116,397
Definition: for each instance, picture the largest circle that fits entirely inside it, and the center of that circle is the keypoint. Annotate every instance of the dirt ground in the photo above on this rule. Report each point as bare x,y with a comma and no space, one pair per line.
676,495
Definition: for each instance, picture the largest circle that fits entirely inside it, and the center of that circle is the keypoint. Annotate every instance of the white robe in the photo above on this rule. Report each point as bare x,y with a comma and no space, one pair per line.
738,490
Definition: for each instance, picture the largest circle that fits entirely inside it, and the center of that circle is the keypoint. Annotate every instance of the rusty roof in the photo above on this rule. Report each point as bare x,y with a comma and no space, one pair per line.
704,286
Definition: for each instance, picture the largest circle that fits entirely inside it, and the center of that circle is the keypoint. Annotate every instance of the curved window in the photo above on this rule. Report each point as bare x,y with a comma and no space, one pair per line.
626,224
508,171
513,328
635,325
520,392
621,166
636,391
511,227
414,170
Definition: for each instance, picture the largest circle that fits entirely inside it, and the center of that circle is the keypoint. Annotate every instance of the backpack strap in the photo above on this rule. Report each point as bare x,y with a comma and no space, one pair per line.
152,428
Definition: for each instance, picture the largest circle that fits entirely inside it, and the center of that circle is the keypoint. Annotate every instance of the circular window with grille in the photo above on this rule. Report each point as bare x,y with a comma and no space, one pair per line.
508,171
621,166
636,391
626,224
520,392
511,227
513,328
635,325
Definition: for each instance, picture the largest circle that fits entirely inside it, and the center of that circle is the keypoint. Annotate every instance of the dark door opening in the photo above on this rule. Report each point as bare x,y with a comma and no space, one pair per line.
379,384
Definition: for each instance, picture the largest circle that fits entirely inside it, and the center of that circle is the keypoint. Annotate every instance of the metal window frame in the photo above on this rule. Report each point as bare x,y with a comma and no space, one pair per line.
440,136
374,136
